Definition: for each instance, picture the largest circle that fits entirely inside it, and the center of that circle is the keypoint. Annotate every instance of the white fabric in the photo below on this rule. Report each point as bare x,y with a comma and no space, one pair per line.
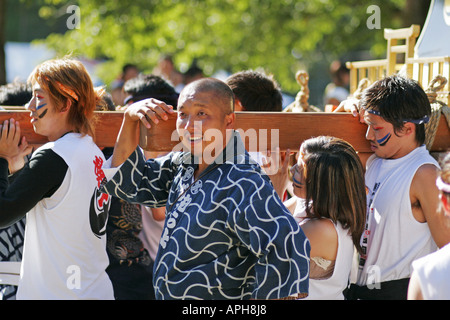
433,272
151,231
321,262
63,258
393,237
436,28
332,288
299,211
9,273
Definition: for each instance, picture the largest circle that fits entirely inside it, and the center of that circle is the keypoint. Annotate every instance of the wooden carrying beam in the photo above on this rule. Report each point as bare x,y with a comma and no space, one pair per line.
106,130
288,130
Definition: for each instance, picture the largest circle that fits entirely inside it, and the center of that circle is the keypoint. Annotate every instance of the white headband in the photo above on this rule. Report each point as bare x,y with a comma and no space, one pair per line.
444,187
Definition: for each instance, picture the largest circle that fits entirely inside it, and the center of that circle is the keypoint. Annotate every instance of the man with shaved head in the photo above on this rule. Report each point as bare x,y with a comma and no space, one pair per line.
227,234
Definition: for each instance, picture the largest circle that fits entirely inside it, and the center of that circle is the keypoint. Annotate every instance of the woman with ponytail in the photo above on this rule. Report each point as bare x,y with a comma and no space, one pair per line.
58,188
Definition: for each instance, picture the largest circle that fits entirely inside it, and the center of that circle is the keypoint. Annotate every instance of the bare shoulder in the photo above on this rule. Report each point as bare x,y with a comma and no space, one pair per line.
424,196
425,174
423,193
323,237
324,226
424,183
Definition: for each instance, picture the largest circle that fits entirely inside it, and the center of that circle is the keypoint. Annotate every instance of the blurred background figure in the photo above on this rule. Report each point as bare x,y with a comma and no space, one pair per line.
337,91
147,86
255,91
166,69
129,71
193,73
15,94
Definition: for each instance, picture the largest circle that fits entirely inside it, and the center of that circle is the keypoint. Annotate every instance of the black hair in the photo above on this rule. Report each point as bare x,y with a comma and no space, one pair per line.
256,91
15,94
150,86
129,66
398,99
193,73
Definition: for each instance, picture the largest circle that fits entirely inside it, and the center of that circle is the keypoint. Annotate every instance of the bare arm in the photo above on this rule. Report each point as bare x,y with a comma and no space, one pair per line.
349,105
425,202
145,111
323,238
414,289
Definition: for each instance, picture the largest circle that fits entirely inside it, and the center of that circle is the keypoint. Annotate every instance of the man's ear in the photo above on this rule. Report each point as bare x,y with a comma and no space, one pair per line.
67,106
230,119
238,105
409,128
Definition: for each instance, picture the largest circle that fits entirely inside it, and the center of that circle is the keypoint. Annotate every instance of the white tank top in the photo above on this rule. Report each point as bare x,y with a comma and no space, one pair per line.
332,288
65,242
433,272
151,231
393,238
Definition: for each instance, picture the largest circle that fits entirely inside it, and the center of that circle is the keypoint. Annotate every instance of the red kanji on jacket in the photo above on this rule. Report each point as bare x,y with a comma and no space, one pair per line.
98,163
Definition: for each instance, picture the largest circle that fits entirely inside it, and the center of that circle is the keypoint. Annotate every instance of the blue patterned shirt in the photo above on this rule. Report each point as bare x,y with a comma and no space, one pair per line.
227,235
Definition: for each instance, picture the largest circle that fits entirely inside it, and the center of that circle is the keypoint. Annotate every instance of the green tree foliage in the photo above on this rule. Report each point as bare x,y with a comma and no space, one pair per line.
279,36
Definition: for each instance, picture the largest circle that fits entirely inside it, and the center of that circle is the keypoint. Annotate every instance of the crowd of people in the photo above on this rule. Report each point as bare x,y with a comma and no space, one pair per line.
210,222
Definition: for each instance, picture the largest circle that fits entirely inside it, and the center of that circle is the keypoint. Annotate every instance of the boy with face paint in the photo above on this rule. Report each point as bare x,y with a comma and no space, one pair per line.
402,220
64,254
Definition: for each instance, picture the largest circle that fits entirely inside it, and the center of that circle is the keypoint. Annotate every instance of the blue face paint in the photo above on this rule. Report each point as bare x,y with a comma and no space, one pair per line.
296,182
382,142
41,106
43,112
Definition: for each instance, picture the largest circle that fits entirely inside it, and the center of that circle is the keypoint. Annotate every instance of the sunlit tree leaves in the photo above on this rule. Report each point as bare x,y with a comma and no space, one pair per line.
279,36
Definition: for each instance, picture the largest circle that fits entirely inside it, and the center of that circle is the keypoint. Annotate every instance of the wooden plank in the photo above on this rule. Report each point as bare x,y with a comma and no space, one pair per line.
412,31
287,130
293,128
427,60
13,108
107,127
26,128
399,48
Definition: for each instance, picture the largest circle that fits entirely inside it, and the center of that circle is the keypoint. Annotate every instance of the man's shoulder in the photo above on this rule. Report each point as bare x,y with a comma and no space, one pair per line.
425,176
416,157
249,177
